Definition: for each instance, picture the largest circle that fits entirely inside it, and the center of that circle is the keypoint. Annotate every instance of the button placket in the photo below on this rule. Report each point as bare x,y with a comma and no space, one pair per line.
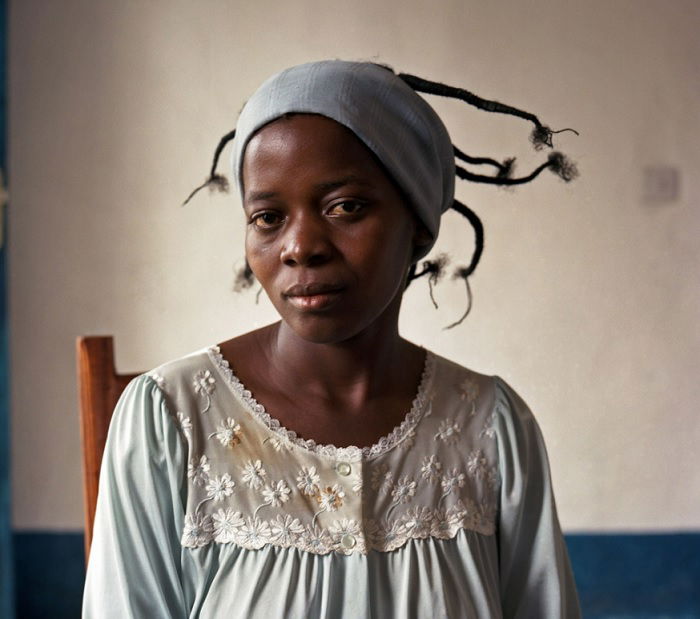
348,541
343,468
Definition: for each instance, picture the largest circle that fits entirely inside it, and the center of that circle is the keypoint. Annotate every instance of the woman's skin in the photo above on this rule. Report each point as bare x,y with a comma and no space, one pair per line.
330,239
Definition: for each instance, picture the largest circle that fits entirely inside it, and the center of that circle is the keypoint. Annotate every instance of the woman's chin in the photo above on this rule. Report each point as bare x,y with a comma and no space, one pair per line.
321,329
321,334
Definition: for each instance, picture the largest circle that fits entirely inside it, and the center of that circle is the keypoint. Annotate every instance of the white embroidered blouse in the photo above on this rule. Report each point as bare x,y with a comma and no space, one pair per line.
209,508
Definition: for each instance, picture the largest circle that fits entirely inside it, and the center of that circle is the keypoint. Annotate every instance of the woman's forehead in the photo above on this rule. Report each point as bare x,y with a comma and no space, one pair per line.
303,124
309,142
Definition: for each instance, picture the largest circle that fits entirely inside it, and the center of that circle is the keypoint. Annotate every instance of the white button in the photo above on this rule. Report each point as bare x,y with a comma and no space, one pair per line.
343,469
348,541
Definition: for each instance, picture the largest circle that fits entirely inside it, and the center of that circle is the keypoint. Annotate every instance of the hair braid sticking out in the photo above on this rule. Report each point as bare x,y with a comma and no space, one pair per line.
214,180
540,137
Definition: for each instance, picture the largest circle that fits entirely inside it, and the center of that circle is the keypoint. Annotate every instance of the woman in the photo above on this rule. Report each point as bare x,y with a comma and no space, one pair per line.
323,466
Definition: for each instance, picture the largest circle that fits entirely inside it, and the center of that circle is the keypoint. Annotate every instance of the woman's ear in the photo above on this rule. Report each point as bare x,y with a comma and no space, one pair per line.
421,236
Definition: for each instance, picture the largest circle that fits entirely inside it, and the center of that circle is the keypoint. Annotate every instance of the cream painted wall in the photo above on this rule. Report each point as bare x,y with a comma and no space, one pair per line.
587,298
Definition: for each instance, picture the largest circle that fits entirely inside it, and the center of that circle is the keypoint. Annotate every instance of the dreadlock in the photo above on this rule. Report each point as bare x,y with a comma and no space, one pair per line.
540,137
214,180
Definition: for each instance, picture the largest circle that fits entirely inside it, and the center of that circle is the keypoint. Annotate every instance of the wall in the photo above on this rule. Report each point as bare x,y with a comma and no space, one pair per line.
587,297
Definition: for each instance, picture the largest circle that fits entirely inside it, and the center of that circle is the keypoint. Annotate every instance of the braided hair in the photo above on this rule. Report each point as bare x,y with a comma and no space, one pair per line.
502,174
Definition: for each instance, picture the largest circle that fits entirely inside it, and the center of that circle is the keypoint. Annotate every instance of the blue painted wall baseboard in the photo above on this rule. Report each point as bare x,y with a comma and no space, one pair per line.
619,576
637,576
49,574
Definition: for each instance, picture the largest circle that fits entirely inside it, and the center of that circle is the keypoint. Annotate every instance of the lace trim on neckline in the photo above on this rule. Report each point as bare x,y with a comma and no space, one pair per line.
350,453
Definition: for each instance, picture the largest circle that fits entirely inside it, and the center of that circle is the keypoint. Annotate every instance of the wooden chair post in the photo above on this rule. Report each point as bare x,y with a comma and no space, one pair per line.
99,387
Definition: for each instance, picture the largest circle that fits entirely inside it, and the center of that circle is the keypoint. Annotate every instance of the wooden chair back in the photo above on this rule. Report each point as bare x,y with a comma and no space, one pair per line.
99,387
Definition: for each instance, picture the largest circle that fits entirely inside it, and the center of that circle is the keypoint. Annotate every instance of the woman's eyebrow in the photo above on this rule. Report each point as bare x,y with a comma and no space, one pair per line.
341,182
257,196
326,186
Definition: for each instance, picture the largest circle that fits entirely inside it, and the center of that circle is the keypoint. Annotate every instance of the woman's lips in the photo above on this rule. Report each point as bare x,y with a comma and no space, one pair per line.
313,297
315,302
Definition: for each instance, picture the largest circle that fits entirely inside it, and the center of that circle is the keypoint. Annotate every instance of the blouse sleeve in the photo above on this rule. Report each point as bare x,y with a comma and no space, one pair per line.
134,569
535,573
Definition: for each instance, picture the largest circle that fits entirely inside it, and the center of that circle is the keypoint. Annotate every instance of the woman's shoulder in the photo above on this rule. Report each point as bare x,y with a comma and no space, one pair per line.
457,380
449,366
189,369
454,383
184,384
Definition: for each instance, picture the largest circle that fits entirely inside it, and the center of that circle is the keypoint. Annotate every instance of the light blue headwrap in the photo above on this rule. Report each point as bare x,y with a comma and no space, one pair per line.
392,120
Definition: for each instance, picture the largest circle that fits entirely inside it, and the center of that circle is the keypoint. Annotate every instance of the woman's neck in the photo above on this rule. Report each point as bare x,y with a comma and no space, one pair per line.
357,368
348,393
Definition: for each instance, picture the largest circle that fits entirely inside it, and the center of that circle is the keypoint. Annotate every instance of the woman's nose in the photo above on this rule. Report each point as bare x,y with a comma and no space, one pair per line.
306,242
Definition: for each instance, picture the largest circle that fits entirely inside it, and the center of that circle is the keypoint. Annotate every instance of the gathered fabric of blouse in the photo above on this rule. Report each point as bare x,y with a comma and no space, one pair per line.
208,508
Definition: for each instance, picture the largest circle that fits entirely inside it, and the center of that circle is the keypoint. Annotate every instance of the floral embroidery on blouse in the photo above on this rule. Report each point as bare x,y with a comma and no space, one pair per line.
452,481
226,524
204,384
198,470
386,534
255,533
418,522
218,488
409,440
341,528
274,442
430,469
382,479
286,529
404,490
185,424
253,483
315,539
469,390
448,431
197,531
330,498
308,481
254,474
227,433
489,430
159,380
276,493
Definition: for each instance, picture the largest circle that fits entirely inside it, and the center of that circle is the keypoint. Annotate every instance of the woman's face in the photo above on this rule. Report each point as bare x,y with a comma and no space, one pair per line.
328,235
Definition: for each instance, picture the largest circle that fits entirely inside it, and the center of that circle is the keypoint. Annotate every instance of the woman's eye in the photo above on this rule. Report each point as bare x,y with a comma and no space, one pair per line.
346,207
266,219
